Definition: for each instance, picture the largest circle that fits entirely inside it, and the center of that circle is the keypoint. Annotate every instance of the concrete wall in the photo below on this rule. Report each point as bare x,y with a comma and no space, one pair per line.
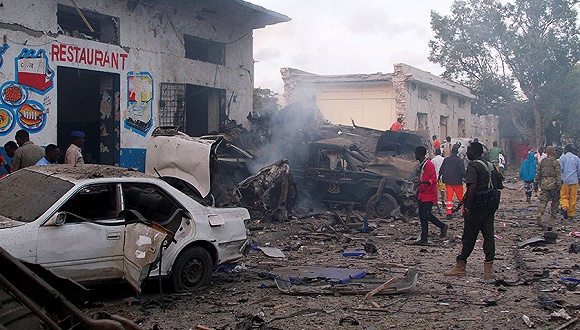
377,100
150,51
420,102
369,104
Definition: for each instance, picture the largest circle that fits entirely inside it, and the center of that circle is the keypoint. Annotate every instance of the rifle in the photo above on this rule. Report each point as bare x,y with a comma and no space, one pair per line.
458,207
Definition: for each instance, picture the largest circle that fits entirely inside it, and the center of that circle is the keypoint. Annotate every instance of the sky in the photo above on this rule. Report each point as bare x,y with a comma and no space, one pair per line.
343,37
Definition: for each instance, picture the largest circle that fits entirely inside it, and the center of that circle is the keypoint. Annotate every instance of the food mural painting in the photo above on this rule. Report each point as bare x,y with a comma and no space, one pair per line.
33,75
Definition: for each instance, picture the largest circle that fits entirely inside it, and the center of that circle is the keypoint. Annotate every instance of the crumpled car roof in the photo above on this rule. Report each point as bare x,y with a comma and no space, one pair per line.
88,171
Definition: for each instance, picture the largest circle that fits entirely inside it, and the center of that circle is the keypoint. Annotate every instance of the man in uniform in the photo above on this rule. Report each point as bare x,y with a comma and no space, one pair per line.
481,202
549,178
28,153
73,154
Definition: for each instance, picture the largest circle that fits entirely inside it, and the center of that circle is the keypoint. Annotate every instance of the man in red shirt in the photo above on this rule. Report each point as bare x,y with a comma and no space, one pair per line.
398,125
427,196
436,143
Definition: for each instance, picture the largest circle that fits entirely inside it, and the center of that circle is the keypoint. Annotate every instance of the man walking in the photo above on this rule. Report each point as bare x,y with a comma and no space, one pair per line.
549,179
427,196
570,165
451,174
28,153
481,202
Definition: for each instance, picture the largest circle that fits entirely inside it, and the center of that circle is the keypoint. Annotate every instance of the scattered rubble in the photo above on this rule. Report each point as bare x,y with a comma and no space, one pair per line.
535,280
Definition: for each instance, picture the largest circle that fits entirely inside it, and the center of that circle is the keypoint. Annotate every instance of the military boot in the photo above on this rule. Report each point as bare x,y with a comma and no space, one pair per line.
488,270
458,270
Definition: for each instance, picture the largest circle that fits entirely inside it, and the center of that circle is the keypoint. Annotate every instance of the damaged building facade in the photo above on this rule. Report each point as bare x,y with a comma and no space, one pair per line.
116,69
427,103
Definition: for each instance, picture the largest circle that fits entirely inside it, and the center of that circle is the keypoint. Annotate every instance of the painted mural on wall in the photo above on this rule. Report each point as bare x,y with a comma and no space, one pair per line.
139,115
33,75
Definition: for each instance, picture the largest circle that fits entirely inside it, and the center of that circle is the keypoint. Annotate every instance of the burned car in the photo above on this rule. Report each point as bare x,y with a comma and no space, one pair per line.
70,220
335,173
215,171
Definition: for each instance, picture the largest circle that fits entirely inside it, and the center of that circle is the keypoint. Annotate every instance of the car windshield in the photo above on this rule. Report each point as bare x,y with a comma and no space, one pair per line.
26,194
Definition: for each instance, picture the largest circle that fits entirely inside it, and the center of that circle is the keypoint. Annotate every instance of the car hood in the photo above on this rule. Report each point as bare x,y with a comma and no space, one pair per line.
9,223
180,156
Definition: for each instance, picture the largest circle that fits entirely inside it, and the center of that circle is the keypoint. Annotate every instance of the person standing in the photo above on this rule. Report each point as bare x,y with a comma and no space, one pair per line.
398,125
501,164
481,202
570,166
528,174
452,174
9,147
437,162
494,152
436,143
52,152
74,153
427,196
549,178
447,147
28,153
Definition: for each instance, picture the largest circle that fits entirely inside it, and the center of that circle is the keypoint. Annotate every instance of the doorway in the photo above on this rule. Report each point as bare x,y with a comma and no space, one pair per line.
88,101
204,110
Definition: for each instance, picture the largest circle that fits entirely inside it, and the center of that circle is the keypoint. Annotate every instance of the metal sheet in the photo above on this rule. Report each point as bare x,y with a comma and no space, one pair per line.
183,157
142,246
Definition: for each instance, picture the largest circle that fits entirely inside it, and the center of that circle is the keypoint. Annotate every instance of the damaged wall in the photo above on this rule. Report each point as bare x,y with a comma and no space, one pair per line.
425,102
143,45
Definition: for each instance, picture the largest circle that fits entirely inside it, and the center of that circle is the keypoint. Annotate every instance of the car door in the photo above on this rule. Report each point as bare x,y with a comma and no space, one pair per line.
89,245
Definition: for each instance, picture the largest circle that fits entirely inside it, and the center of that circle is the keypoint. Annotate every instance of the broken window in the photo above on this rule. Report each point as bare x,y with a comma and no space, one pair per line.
422,121
95,202
442,126
204,50
172,106
97,26
461,128
461,103
423,93
444,98
148,200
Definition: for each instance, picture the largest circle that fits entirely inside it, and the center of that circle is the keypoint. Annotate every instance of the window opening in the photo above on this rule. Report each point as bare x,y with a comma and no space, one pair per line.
423,93
96,202
106,28
204,50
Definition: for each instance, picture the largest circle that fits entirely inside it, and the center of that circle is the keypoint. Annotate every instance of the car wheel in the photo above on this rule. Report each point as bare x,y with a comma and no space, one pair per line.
384,206
192,269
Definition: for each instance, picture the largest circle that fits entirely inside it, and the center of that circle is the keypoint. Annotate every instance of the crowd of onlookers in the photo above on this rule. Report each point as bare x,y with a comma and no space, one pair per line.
23,152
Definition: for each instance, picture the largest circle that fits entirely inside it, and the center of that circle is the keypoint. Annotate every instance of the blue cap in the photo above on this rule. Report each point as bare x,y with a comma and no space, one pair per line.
77,134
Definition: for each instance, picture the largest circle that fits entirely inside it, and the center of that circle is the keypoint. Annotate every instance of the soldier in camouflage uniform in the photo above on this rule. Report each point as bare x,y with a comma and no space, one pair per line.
549,177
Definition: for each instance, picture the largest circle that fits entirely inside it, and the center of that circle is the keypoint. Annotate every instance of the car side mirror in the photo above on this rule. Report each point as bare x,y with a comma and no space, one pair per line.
57,219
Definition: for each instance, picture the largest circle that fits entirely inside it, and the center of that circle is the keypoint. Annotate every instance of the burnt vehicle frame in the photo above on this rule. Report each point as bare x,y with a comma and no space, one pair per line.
335,174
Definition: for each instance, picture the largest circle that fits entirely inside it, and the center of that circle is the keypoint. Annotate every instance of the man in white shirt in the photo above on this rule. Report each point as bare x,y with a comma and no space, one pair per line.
438,161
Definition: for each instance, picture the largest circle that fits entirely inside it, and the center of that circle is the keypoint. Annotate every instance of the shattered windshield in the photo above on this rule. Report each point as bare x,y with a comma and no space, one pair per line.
26,195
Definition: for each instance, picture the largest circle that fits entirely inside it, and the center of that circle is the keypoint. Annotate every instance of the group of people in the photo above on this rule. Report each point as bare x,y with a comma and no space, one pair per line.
25,153
480,202
557,180
450,172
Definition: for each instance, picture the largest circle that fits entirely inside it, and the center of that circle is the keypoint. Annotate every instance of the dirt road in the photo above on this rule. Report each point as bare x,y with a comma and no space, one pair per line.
528,284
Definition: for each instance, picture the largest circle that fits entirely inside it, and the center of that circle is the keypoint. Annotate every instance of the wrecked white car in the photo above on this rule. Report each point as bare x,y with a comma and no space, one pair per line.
70,220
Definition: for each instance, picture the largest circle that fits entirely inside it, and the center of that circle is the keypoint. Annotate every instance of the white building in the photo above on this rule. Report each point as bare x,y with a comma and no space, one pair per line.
427,103
117,68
